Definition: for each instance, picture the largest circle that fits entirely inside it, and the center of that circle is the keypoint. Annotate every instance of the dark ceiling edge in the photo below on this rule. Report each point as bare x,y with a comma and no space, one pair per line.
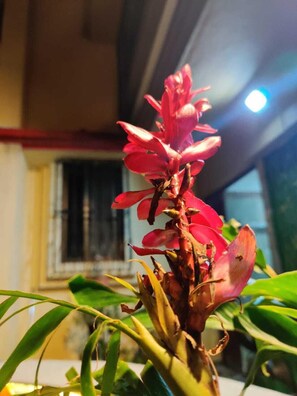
139,24
183,24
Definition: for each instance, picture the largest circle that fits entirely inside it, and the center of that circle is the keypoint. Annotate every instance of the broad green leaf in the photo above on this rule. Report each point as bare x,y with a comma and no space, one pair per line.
6,304
94,294
281,327
87,386
154,382
280,310
32,341
270,327
226,313
265,353
110,368
281,287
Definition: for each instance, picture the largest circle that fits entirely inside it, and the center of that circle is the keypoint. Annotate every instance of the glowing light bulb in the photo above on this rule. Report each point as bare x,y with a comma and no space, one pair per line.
256,101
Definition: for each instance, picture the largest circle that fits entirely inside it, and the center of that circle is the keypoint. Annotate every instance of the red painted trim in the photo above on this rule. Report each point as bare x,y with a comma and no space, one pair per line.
72,140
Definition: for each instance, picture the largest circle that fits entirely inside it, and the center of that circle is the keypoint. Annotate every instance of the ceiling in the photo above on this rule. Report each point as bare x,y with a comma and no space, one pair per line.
232,45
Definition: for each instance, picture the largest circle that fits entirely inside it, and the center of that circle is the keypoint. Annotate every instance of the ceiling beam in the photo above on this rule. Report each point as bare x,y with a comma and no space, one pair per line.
70,140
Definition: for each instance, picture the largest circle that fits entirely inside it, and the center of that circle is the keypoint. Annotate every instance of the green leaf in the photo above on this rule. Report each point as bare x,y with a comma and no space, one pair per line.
87,386
126,382
110,368
96,295
32,341
281,287
280,310
226,313
6,304
264,353
71,374
230,229
154,382
270,327
260,259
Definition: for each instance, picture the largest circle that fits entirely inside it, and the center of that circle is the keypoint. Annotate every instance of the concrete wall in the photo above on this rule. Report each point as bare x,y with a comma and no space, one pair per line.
12,62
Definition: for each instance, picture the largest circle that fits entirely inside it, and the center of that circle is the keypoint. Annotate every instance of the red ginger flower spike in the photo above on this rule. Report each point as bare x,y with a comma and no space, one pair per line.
180,116
173,144
162,156
205,271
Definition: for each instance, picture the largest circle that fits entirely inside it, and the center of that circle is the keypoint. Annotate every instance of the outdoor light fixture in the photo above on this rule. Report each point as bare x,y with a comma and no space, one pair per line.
256,101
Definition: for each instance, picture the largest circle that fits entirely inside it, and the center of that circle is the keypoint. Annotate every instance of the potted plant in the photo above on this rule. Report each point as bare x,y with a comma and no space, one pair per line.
209,264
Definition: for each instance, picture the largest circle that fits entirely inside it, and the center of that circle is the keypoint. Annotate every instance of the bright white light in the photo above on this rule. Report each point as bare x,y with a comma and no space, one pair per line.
255,101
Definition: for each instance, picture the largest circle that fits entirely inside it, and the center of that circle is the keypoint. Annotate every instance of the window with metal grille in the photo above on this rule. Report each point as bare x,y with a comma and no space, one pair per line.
86,232
91,230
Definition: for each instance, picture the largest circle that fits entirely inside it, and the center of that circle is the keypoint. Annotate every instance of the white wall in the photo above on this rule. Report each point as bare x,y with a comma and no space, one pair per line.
12,222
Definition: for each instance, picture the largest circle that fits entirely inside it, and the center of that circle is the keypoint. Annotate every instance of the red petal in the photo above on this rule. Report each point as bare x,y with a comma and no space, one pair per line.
205,128
201,150
153,102
147,251
202,105
205,235
196,167
145,163
199,91
185,122
130,148
235,266
144,207
158,237
187,78
129,198
144,139
207,215
166,114
173,243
